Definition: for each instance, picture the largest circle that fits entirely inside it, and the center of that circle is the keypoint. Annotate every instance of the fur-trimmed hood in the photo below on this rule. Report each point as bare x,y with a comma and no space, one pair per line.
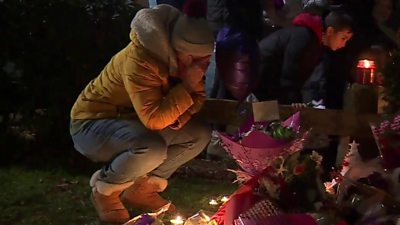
153,28
163,30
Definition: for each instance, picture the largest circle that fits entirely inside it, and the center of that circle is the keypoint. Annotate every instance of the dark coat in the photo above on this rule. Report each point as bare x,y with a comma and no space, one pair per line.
217,14
288,58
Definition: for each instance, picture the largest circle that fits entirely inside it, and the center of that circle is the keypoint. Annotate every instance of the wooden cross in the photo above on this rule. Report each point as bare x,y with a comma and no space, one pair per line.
326,121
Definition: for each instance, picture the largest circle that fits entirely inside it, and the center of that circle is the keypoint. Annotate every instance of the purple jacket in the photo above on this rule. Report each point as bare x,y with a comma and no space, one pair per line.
238,61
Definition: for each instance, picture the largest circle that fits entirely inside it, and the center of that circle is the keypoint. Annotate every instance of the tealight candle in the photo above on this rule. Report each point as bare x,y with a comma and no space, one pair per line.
213,202
224,199
177,220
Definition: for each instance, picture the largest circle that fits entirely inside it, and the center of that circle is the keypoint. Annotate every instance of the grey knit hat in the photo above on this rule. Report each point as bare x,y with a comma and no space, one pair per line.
193,36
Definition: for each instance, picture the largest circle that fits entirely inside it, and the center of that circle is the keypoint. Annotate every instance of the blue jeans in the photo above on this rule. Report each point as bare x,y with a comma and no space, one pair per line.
130,150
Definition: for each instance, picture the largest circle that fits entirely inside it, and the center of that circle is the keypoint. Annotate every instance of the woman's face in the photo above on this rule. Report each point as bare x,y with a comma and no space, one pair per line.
382,10
337,39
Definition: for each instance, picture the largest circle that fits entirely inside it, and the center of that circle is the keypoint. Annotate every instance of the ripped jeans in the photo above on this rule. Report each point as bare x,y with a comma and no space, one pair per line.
130,150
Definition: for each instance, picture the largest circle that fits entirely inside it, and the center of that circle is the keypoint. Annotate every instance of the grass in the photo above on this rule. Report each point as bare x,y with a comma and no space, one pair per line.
40,197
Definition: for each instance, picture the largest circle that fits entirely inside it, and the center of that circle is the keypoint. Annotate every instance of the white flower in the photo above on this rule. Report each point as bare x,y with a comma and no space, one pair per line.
316,157
271,187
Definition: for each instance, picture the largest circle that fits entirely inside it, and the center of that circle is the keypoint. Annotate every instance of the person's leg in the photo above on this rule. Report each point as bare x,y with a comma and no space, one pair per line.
183,145
130,151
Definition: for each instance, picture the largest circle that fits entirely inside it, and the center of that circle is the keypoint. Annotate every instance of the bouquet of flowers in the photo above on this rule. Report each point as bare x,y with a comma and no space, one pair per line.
277,179
257,143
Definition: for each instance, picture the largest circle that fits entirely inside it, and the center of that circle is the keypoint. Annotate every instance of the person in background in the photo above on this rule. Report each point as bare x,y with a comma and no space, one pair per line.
295,62
244,14
369,17
375,25
237,25
371,20
290,55
137,115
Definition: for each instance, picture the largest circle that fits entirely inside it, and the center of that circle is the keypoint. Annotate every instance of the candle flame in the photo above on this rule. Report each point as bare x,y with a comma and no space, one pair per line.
177,220
366,64
224,199
213,202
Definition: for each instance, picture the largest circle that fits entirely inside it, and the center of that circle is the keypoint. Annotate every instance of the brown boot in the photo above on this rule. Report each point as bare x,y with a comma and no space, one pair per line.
106,200
143,194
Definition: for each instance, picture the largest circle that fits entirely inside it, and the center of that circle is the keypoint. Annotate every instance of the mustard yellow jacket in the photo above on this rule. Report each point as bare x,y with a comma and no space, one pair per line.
136,84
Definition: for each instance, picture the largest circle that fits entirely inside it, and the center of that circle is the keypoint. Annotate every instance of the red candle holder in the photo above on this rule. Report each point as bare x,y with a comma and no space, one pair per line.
366,72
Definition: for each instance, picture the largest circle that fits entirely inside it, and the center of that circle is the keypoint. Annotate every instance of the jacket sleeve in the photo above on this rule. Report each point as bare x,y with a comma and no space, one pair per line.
156,109
289,80
198,98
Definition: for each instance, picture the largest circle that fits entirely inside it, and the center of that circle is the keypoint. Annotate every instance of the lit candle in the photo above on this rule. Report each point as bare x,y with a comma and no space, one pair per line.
213,202
224,199
177,220
366,72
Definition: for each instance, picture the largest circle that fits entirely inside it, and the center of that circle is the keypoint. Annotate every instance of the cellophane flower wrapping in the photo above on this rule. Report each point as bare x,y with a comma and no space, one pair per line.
257,143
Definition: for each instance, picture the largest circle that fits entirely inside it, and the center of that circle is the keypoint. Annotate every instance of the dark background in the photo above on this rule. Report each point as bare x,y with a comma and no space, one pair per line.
49,50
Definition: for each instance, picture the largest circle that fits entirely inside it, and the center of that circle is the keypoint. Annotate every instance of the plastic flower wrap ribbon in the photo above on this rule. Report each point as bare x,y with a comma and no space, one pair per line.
253,149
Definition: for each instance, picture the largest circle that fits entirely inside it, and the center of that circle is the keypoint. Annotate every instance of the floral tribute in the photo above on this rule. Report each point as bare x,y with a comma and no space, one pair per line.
364,192
257,144
276,177
281,182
